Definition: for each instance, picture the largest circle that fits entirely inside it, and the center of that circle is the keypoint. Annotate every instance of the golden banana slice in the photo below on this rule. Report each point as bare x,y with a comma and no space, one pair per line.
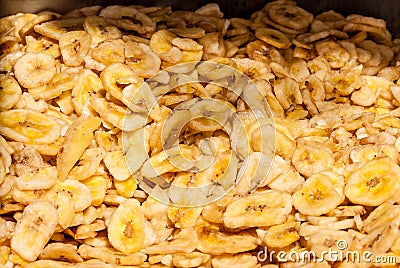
273,37
100,29
317,196
257,210
337,241
193,259
42,45
74,46
56,28
374,183
65,209
215,242
309,160
126,227
161,41
129,18
10,92
287,92
59,83
126,188
61,251
29,126
333,52
79,192
28,27
87,84
78,136
88,164
34,229
44,178
109,51
117,115
98,186
282,235
183,217
141,59
214,212
116,164
34,69
365,153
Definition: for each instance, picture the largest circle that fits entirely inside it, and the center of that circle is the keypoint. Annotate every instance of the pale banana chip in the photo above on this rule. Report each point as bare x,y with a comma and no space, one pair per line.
74,46
10,92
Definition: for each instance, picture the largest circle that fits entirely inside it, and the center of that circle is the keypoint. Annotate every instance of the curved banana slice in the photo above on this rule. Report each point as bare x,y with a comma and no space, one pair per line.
29,126
287,92
244,260
374,183
34,69
282,235
126,188
215,242
28,27
141,59
87,84
74,46
309,160
193,259
116,76
109,52
34,229
61,251
115,162
59,83
43,45
118,115
126,228
365,153
87,164
79,192
317,196
78,136
98,186
128,18
214,212
10,92
183,217
265,209
44,178
56,28
100,29
161,41
65,209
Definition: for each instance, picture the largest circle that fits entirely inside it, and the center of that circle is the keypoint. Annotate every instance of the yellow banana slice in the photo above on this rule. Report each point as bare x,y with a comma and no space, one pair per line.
88,83
59,83
34,69
193,259
338,241
28,27
74,46
117,115
42,45
61,251
126,188
79,192
215,242
214,212
317,196
273,37
116,164
65,209
44,178
141,59
309,160
365,153
183,217
87,164
10,92
33,231
126,227
109,51
374,183
100,29
257,210
98,186
78,136
282,235
29,126
161,41
56,28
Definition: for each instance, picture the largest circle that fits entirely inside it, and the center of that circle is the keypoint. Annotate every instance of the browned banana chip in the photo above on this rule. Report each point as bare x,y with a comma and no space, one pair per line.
82,12
56,28
195,32
324,34
28,28
333,52
290,16
282,28
129,19
273,37
332,19
354,18
379,34
261,51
